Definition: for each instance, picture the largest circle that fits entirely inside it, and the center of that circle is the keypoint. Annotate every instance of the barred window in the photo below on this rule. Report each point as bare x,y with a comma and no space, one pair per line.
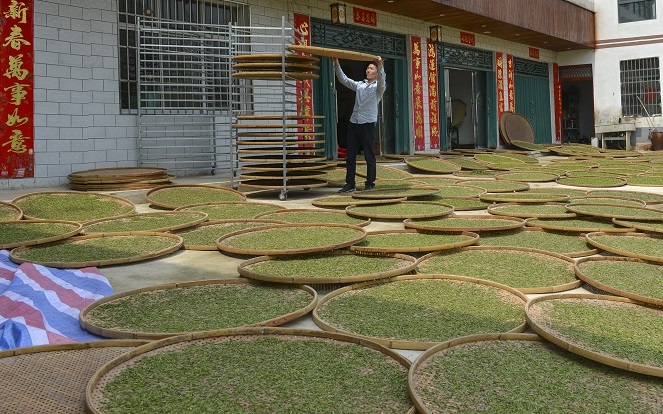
641,87
178,75
636,10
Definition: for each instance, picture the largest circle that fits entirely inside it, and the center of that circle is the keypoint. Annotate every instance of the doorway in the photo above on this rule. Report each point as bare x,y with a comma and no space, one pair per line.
577,103
466,108
345,99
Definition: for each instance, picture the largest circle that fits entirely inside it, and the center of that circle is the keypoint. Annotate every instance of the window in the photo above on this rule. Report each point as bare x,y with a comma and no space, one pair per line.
177,80
636,10
641,87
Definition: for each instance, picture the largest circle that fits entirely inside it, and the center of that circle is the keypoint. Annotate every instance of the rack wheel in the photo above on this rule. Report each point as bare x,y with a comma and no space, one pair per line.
283,196
307,188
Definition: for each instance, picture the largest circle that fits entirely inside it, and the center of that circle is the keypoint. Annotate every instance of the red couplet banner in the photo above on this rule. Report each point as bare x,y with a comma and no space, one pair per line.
433,101
417,94
304,87
17,85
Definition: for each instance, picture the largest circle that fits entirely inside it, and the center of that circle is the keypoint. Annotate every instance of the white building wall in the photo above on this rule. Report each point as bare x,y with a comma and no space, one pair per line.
78,124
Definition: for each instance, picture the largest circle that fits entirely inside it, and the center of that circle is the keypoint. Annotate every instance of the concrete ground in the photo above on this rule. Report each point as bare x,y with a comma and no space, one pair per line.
185,265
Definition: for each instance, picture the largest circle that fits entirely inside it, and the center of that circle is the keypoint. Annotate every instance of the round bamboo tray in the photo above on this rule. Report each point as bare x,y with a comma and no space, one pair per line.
278,127
224,227
190,194
315,216
524,197
596,182
537,319
634,293
289,166
435,181
344,201
406,265
276,136
465,238
289,158
400,342
290,144
279,150
611,211
66,205
527,177
231,210
652,226
382,193
344,401
607,200
533,235
89,323
305,67
415,209
274,57
176,243
384,172
278,175
649,198
295,183
494,186
432,165
461,191
654,243
102,174
274,74
556,210
10,212
332,53
537,260
73,228
577,225
277,117
515,126
152,221
473,223
314,243
52,378
529,146
465,163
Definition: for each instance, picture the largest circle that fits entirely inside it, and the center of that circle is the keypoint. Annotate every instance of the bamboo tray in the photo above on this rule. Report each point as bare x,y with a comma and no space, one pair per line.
279,150
397,192
577,225
72,206
600,181
544,210
432,165
400,211
344,201
536,238
313,216
607,200
652,226
302,143
284,239
531,177
494,186
275,184
231,210
524,197
173,196
274,57
435,241
118,173
525,269
473,223
649,246
649,198
68,229
153,221
222,297
274,74
631,286
273,365
263,117
207,242
289,158
276,175
441,320
10,212
328,268
274,125
540,319
462,191
52,378
304,67
332,53
289,166
616,211
89,245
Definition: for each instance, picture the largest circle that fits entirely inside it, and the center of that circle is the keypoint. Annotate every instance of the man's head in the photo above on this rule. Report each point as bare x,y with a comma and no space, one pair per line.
372,71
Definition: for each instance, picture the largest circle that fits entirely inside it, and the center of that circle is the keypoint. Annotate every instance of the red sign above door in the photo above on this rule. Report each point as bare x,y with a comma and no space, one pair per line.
365,17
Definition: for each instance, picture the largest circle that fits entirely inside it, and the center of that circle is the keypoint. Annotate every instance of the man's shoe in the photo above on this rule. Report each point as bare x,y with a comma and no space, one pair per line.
348,188
368,187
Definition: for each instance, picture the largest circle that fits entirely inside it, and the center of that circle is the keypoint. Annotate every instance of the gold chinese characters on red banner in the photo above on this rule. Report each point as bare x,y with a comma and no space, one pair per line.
433,102
365,17
17,83
304,87
417,94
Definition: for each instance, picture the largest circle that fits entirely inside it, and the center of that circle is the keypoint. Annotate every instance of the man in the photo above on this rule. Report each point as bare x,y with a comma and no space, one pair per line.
361,129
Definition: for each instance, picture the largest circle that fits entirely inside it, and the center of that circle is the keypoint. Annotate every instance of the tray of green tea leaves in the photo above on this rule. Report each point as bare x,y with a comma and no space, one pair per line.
649,180
385,172
341,201
335,267
461,222
607,200
649,198
276,184
227,372
527,176
432,165
524,197
525,269
569,192
623,276
204,236
567,244
31,232
432,180
153,221
487,173
638,245
173,196
417,311
413,241
545,210
233,210
495,186
402,210
467,191
72,206
10,212
466,163
99,250
284,239
459,204
611,330
592,181
642,225
182,308
396,192
313,215
488,371
530,146
577,224
615,211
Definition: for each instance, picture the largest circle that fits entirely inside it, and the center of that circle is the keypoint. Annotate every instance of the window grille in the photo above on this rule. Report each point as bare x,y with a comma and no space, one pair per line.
178,93
640,87
636,10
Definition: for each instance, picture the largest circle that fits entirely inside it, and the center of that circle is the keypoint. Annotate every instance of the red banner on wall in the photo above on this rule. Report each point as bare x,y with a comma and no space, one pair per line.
511,94
433,101
365,17
417,94
557,87
499,64
305,87
17,84
467,38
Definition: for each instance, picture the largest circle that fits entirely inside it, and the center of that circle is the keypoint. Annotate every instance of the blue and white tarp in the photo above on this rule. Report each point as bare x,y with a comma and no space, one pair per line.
40,305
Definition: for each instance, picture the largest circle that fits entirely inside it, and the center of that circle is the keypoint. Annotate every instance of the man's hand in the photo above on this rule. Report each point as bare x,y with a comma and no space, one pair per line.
379,62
